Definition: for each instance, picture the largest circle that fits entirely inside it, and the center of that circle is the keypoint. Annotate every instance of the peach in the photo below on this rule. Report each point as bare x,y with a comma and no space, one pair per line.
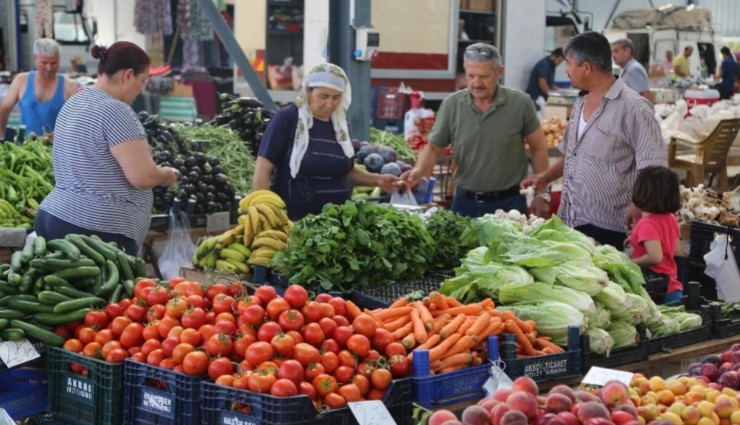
724,405
565,390
441,416
498,412
550,419
677,408
557,402
663,421
644,386
725,421
452,422
569,418
626,407
621,418
524,402
706,421
502,394
711,395
526,384
648,412
671,417
690,415
647,399
635,400
585,396
700,388
599,421
735,418
592,409
488,403
706,408
729,391
666,397
514,417
677,387
656,383
692,397
614,392
475,415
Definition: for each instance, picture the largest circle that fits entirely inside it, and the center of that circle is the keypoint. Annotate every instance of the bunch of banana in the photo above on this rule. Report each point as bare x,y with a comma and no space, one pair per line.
232,258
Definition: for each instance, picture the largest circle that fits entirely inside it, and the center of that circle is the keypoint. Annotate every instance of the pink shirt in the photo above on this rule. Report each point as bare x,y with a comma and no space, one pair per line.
663,228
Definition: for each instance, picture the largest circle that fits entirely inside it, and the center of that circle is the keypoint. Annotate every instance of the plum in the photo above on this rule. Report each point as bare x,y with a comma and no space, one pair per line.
388,154
712,358
729,380
363,152
391,168
404,166
695,369
373,162
710,370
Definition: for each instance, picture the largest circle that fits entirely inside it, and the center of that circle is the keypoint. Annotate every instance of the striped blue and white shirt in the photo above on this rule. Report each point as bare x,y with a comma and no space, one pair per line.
91,189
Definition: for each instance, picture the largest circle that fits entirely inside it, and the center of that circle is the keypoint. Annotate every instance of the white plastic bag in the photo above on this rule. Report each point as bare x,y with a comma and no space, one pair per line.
180,248
722,267
402,199
5,418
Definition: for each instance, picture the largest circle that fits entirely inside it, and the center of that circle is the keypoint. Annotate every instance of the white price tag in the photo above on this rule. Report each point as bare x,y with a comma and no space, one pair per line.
372,412
600,376
218,222
13,353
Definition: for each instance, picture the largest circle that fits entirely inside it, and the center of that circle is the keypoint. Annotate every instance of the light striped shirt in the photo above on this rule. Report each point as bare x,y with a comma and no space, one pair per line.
91,189
622,137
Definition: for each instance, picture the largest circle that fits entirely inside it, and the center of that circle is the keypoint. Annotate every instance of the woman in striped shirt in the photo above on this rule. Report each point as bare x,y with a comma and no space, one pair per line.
103,169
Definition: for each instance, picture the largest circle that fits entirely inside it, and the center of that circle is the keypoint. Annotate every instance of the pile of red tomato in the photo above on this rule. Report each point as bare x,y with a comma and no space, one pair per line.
325,348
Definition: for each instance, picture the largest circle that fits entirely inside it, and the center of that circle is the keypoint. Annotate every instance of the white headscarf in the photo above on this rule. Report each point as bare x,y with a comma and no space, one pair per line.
333,77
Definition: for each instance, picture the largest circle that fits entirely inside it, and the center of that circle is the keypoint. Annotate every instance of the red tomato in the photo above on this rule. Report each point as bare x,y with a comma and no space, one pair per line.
324,384
86,334
222,303
328,326
169,344
191,336
340,308
330,361
125,302
307,389
180,351
193,318
327,310
214,290
381,378
312,312
365,368
344,374
136,313
291,370
372,355
149,346
312,371
346,358
225,380
116,355
253,314
296,296
151,330
165,325
364,325
94,350
340,320
74,345
242,342
226,327
132,335
62,331
266,294
155,357
362,382
323,297
258,352
334,401
283,388
174,281
96,318
313,334
156,312
399,365
329,345
297,337
220,367
157,296
195,300
241,381
350,392
276,307
109,346
375,394
141,284
268,331
113,310
237,289
219,345
176,307
138,357
382,338
282,344
306,354
261,383
195,363
394,348
342,335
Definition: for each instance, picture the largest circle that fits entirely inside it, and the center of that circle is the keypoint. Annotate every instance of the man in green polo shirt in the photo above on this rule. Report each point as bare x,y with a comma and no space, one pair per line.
487,125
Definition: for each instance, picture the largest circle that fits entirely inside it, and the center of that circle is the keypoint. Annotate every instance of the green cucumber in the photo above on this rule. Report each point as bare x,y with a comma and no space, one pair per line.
100,247
55,281
15,278
113,279
55,319
52,297
124,267
77,273
39,246
4,323
86,249
65,246
140,267
15,261
37,332
116,295
7,289
27,280
7,313
58,264
12,334
4,300
128,287
72,305
54,256
29,306
72,292
27,253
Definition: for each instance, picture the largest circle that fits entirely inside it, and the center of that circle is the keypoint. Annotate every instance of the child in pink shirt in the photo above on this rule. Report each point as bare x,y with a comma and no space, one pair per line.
654,237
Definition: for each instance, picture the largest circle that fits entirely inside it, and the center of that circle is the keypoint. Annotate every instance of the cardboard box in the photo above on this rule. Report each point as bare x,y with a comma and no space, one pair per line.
482,5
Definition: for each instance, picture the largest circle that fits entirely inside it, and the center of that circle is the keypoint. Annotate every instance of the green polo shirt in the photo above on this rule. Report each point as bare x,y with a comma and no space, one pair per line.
488,147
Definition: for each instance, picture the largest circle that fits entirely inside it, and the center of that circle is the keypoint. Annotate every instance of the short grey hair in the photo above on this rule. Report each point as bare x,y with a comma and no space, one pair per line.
46,47
593,47
482,52
625,43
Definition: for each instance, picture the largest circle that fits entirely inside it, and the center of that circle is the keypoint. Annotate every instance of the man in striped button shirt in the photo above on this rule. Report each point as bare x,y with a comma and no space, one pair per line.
611,135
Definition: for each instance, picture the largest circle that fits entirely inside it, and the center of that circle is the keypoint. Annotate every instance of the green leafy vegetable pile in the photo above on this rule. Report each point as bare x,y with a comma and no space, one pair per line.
392,140
355,246
448,227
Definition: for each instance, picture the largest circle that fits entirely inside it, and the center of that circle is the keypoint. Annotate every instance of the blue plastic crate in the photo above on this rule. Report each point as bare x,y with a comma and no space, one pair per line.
541,368
226,406
24,392
159,396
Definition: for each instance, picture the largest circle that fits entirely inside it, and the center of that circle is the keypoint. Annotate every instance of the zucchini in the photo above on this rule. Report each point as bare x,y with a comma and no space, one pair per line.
7,313
124,267
65,246
37,332
77,273
72,292
54,256
29,306
12,334
27,253
99,246
15,261
72,305
54,319
39,246
52,297
86,249
4,323
113,279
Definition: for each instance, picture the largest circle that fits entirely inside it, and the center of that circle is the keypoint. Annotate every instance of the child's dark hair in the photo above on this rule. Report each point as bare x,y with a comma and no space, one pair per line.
656,191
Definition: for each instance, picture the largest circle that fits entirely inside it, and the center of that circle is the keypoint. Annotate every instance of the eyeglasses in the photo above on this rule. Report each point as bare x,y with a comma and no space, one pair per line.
483,51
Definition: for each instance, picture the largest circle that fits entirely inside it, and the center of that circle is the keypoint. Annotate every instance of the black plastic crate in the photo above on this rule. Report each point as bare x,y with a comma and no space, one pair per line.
543,368
702,235
384,296
723,328
93,399
159,396
708,287
218,405
617,357
693,336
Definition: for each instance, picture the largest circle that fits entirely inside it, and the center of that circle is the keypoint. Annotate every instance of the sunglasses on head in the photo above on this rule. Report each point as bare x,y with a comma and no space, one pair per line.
485,51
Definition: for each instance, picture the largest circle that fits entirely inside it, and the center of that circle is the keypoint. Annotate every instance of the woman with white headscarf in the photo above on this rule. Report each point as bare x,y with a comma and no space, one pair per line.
306,152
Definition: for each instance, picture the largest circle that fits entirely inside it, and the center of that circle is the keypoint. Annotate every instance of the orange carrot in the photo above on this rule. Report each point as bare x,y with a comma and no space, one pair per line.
451,368
524,345
372,314
532,324
437,352
509,315
487,303
465,343
401,302
491,327
439,323
544,343
456,359
404,330
396,323
435,365
425,315
430,342
492,311
468,310
466,324
352,309
451,302
438,300
451,327
480,324
408,341
420,332
392,313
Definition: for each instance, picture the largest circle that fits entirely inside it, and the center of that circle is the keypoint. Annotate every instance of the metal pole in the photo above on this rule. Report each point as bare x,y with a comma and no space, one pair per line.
611,14
359,115
236,52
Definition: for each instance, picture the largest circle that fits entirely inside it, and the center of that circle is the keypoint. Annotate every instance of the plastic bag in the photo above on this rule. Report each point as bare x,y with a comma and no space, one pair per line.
5,418
405,198
180,248
722,267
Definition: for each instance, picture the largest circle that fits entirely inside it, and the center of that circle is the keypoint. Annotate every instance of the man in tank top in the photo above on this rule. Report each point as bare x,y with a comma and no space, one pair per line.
41,93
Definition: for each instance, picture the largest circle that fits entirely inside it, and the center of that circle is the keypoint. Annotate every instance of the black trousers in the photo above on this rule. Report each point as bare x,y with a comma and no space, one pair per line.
51,227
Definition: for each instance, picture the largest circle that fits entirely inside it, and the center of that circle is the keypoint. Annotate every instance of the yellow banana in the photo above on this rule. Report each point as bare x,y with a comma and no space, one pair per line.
225,239
260,261
248,232
243,220
274,234
254,218
225,266
264,252
237,246
269,242
267,212
247,200
210,260
241,266
233,254
264,223
279,213
270,198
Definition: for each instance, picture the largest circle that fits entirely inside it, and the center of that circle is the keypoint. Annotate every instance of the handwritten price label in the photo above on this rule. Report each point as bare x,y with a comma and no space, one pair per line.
13,353
371,412
600,376
218,222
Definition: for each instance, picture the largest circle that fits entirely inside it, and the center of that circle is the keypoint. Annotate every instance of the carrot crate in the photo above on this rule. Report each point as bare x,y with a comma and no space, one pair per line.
159,396
541,368
90,396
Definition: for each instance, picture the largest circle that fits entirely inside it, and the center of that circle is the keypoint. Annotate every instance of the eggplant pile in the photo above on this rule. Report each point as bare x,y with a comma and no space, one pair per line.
202,177
246,116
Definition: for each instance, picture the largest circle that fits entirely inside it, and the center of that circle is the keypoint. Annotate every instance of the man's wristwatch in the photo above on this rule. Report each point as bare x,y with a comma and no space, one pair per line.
545,196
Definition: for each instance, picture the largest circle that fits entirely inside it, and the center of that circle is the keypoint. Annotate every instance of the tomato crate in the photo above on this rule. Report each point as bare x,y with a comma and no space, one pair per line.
159,396
617,357
230,406
541,368
24,392
693,336
383,296
91,399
